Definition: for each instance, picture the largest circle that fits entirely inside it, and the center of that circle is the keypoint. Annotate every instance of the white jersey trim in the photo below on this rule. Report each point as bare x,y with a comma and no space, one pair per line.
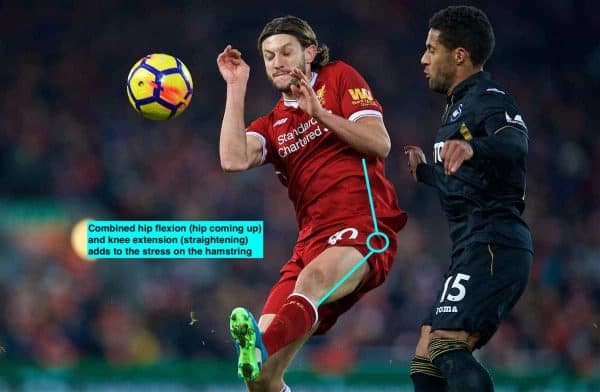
364,113
263,141
311,303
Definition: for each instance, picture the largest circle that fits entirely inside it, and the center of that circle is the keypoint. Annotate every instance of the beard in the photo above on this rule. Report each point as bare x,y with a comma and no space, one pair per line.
286,87
442,82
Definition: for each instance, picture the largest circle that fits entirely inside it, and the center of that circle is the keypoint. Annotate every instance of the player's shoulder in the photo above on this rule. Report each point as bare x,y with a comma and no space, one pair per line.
268,119
489,87
336,67
490,93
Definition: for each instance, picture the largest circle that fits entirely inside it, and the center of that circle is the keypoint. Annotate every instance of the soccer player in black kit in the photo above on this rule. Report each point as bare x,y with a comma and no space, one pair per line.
478,169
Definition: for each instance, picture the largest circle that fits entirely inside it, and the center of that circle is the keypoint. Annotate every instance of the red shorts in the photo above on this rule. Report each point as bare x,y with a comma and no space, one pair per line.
340,234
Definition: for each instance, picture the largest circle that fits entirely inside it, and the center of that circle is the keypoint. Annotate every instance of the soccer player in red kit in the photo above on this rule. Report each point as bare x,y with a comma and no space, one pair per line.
316,136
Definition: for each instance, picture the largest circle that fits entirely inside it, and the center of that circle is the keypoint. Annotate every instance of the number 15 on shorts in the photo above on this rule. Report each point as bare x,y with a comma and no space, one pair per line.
456,292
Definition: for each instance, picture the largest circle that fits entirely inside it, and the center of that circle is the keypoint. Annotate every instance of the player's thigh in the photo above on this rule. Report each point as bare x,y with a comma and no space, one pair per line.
327,269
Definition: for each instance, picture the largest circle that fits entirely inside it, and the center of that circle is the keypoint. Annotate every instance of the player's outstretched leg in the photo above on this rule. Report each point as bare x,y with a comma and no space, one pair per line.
247,337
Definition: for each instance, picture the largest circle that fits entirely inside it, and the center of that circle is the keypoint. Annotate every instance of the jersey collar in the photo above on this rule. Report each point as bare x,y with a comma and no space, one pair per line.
293,103
461,88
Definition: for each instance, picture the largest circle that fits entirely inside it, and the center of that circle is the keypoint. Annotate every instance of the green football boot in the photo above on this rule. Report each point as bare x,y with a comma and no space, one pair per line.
247,338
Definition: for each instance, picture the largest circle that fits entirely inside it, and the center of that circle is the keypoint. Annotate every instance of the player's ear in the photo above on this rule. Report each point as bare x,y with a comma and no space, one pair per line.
310,52
460,55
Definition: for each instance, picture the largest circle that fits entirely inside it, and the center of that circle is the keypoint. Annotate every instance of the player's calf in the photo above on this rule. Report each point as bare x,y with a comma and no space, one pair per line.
425,376
297,316
267,385
456,362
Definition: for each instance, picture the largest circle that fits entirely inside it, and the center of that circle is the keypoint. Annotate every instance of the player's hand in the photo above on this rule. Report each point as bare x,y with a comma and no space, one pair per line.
454,153
415,158
304,93
232,67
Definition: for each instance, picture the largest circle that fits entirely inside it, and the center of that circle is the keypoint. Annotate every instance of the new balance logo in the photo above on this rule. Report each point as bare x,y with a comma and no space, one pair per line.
517,119
280,121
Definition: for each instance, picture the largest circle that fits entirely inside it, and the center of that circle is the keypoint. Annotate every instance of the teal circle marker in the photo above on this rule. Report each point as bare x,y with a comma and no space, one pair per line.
385,239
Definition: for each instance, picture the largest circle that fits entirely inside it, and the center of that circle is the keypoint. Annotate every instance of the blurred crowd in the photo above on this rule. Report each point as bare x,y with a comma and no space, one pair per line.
71,147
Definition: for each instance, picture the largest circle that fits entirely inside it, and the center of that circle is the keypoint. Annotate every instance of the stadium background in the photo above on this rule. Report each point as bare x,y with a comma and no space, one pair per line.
72,147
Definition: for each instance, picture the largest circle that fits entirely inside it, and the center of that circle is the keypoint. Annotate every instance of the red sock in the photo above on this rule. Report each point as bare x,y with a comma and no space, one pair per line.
295,318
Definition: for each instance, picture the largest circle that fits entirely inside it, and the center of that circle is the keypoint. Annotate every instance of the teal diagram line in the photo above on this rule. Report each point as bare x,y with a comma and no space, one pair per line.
343,279
372,250
364,164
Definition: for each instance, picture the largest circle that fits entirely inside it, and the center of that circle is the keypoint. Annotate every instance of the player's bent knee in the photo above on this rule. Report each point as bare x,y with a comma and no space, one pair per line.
456,362
440,346
421,349
471,338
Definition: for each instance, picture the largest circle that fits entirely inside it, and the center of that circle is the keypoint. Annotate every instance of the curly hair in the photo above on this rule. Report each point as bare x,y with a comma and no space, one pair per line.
467,27
300,29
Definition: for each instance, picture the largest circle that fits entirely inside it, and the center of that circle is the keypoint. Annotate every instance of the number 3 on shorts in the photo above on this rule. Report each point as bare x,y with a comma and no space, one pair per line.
456,285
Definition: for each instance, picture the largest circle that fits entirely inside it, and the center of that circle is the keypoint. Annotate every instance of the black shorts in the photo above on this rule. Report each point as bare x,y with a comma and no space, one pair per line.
482,285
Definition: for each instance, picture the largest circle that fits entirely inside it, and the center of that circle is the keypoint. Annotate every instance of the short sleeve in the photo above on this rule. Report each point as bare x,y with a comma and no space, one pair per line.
258,129
357,100
497,112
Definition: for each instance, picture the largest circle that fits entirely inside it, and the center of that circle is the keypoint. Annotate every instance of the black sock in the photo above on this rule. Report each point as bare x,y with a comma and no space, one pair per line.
425,376
462,371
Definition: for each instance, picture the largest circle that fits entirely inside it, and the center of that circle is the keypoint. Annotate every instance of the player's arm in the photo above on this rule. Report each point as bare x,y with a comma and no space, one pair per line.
507,143
506,137
237,150
367,135
420,170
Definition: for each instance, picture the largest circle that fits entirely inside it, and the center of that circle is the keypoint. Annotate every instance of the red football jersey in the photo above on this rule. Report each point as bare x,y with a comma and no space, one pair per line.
324,175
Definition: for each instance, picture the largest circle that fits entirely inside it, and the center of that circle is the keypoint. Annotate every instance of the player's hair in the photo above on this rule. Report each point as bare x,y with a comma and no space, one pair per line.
467,27
300,29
